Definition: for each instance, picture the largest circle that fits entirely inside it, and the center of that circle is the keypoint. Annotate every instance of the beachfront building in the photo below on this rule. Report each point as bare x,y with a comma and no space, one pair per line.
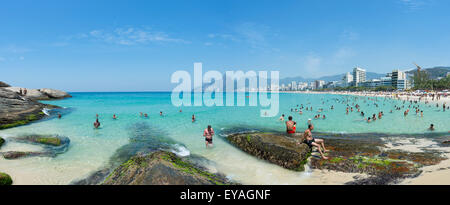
399,80
293,85
319,84
386,81
347,80
302,85
371,83
312,86
359,76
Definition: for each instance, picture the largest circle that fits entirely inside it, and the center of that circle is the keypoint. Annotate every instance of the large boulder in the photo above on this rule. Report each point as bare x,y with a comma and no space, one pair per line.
20,154
55,94
161,168
16,110
276,148
5,179
1,142
33,94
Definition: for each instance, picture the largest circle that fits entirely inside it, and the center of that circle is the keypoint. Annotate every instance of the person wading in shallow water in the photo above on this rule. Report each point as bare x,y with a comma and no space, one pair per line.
96,124
208,133
310,141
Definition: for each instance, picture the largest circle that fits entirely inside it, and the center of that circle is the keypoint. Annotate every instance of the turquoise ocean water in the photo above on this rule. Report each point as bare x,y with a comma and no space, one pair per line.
91,149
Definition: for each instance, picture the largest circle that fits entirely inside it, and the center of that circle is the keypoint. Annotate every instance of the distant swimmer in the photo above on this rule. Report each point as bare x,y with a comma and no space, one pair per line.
115,117
145,115
193,118
96,124
181,110
140,114
208,133
431,128
311,141
291,126
282,117
59,115
160,113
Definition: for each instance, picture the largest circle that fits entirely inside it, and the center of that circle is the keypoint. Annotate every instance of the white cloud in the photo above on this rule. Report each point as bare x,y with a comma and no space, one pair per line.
413,5
312,63
256,36
343,53
129,36
349,35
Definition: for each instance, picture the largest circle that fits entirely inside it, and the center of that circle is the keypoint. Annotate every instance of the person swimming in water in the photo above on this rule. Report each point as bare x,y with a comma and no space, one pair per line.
160,113
431,128
311,141
193,118
208,133
291,126
114,117
59,115
282,117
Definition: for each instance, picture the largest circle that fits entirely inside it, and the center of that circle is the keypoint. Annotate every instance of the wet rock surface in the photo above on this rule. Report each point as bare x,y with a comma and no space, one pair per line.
276,148
367,156
52,145
147,159
2,141
161,168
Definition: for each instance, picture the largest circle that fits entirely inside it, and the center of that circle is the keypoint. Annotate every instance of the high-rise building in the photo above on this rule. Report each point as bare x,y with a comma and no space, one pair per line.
359,76
347,80
399,80
319,84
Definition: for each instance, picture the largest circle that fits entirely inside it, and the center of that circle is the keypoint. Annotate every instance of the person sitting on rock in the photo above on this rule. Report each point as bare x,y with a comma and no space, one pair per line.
311,141
291,126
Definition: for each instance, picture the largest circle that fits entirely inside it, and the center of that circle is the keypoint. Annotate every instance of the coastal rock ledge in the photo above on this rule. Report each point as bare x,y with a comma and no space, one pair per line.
161,168
275,148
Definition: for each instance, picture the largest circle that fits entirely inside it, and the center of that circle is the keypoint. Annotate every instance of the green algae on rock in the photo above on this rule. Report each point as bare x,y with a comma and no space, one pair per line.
5,179
161,168
276,148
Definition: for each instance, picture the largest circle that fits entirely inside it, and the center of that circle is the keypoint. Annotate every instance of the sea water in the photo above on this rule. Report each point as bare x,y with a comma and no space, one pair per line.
91,149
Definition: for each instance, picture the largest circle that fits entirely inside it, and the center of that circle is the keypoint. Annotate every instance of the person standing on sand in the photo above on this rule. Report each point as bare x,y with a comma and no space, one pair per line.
311,141
208,133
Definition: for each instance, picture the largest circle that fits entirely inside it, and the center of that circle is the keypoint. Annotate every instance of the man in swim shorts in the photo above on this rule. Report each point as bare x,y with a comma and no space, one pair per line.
311,141
208,134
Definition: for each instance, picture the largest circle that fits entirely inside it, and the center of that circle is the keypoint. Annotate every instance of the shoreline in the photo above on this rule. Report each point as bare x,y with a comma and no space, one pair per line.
393,95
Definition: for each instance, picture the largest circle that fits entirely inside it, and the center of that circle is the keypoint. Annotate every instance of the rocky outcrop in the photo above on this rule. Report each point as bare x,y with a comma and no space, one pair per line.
366,155
16,110
2,141
276,148
52,146
2,85
161,168
5,179
40,94
55,94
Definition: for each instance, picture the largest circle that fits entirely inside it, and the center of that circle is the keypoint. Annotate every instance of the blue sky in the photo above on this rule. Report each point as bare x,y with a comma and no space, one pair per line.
136,45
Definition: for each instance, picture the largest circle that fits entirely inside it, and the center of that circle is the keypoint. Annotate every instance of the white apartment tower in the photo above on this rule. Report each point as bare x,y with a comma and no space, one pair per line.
359,76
